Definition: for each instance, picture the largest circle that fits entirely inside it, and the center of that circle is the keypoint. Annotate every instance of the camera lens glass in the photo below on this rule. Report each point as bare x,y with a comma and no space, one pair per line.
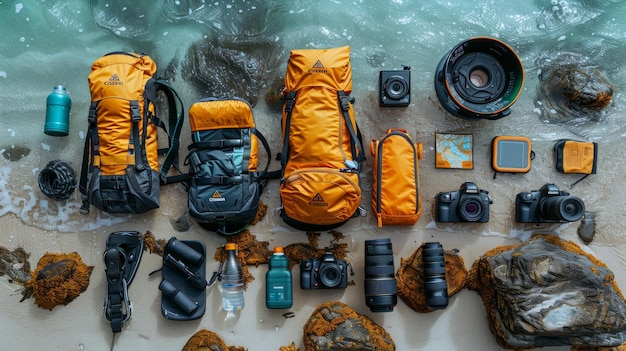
562,208
380,282
396,87
435,284
471,208
479,77
330,274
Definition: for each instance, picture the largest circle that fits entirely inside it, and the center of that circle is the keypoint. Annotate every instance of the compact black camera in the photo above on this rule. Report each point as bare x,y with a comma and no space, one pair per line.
468,204
326,272
395,88
548,205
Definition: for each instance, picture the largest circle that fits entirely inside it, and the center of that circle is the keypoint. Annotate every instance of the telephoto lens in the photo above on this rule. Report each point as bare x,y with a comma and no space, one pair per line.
380,282
183,251
435,285
180,299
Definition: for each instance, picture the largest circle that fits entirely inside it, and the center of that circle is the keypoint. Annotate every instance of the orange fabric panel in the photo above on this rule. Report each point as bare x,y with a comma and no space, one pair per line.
115,81
395,188
229,113
320,195
578,157
319,68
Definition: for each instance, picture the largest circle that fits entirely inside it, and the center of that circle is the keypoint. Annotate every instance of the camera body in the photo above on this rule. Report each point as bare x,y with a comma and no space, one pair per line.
468,204
549,204
395,88
326,272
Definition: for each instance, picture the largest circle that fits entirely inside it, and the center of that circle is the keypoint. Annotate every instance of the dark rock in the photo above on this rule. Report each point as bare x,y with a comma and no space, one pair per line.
182,223
573,89
548,292
15,153
15,264
410,278
587,227
335,326
240,67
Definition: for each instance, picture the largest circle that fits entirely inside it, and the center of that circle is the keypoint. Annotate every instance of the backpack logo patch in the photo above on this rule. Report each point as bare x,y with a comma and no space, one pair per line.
114,80
318,67
318,200
217,197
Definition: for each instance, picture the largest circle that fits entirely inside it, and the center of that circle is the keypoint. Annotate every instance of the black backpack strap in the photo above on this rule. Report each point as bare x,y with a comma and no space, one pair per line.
121,260
290,100
89,150
176,119
355,133
266,174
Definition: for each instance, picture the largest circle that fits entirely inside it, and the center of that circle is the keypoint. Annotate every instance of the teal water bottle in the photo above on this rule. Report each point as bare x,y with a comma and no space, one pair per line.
278,292
58,107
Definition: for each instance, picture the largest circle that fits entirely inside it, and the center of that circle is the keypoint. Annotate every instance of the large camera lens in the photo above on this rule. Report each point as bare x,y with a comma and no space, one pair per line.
471,208
330,274
396,87
562,208
479,78
435,284
380,282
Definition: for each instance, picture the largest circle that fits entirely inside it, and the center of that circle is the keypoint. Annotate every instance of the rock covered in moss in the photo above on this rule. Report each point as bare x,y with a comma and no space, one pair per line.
205,340
549,292
573,88
410,278
58,279
336,326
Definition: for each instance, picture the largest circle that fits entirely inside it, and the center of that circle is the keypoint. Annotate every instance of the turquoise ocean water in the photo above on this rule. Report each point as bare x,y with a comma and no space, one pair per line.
45,43
49,42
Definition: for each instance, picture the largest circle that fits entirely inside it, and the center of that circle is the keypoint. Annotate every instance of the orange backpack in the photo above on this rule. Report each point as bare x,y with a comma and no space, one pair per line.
395,189
120,171
322,148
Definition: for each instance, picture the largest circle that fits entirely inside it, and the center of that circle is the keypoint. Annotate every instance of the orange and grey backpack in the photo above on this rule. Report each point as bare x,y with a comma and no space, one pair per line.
322,148
396,196
120,171
224,182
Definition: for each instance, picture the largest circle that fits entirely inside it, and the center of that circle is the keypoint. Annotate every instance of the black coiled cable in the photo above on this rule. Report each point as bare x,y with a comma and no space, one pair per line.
57,180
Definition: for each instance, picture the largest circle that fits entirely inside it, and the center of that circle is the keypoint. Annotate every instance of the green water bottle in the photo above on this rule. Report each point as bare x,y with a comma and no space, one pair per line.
278,292
58,105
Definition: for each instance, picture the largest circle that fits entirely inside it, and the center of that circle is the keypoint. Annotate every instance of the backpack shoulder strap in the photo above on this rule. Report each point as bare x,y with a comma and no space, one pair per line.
176,119
266,174
355,133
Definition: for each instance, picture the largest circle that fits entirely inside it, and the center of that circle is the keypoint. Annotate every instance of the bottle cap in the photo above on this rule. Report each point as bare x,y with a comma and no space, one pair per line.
279,249
231,246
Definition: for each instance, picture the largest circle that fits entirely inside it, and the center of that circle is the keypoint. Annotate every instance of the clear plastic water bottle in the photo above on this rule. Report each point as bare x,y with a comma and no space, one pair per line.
278,291
58,105
232,280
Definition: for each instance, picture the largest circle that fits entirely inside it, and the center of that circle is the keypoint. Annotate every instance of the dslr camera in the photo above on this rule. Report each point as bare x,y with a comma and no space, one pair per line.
326,272
395,87
549,204
468,204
